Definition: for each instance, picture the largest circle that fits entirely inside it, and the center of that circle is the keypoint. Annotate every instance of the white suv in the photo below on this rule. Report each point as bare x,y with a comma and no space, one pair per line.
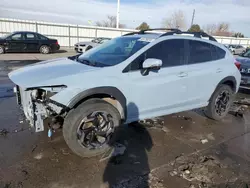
132,77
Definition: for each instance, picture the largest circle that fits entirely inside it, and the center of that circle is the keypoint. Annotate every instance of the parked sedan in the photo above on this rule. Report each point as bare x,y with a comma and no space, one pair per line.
85,46
26,41
236,49
244,60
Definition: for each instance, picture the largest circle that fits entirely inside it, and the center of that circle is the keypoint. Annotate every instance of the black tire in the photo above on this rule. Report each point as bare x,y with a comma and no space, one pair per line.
2,50
44,49
74,119
88,48
210,111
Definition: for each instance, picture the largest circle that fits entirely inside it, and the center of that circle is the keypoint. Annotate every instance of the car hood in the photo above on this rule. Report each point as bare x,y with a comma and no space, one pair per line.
244,60
45,73
86,43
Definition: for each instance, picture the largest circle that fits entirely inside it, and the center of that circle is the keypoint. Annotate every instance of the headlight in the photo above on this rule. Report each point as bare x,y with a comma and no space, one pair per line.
34,94
45,92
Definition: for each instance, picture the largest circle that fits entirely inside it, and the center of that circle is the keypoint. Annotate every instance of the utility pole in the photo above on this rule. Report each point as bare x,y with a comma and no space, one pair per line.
118,14
193,18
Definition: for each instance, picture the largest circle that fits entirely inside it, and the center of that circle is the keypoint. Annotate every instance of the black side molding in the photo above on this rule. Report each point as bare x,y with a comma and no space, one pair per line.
229,79
106,90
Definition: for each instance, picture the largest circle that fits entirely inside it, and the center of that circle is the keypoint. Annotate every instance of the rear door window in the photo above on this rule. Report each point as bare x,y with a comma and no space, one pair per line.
30,36
41,37
201,52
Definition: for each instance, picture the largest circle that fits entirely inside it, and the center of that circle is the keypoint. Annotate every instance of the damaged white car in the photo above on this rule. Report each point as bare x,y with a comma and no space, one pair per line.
129,78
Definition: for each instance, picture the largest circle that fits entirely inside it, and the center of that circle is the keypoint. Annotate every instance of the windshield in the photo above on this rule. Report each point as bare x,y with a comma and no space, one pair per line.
113,52
246,54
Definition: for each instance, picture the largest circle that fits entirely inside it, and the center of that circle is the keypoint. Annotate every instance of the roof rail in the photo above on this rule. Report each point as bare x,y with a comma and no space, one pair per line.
196,34
156,29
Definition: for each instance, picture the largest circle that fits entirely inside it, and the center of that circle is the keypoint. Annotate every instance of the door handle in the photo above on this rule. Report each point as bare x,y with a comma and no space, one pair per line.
218,70
182,74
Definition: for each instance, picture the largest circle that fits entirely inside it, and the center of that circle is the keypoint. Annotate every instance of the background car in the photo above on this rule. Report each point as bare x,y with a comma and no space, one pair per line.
85,46
244,60
236,49
26,41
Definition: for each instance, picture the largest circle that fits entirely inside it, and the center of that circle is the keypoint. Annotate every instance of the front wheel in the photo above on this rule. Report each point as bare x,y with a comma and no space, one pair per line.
89,129
2,50
220,102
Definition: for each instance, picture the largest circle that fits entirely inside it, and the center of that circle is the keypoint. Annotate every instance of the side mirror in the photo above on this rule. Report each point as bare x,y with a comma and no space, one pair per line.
152,63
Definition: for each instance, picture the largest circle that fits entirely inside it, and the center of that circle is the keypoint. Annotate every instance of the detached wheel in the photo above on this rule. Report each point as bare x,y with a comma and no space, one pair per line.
44,49
2,51
220,102
89,129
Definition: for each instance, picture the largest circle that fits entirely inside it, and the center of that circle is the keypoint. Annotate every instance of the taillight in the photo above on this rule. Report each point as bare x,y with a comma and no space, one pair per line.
57,43
237,64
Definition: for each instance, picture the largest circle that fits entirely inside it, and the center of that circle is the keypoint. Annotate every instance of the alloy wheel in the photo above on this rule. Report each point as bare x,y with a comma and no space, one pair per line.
222,103
1,50
95,130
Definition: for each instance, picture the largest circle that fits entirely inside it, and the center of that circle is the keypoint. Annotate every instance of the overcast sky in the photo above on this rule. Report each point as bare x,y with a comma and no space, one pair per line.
133,12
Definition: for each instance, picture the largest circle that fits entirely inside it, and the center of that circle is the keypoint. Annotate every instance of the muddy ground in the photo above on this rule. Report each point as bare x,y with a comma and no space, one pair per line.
180,150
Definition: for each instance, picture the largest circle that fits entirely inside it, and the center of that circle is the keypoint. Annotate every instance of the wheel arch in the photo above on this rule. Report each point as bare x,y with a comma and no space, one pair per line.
230,81
106,93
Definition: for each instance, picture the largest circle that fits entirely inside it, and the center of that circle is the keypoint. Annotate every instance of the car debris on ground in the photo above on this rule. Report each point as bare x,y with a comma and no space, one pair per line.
116,151
3,132
204,171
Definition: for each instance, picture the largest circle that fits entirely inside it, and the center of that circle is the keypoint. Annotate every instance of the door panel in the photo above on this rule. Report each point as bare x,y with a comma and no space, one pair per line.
15,43
31,42
206,69
157,92
161,91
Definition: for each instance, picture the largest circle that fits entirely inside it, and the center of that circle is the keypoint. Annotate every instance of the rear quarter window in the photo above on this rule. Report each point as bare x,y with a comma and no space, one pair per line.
201,52
41,37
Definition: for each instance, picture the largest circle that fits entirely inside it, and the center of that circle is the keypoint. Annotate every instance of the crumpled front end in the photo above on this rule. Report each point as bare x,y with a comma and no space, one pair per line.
37,105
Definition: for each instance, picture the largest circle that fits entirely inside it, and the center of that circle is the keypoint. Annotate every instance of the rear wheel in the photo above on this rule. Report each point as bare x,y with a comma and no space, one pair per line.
220,102
89,129
44,49
2,51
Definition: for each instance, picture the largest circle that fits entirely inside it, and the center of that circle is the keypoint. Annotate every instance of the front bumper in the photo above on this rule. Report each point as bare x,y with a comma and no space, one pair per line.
80,49
35,111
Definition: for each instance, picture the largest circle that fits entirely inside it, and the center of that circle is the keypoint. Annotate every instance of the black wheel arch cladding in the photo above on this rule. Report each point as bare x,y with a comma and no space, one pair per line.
230,80
105,90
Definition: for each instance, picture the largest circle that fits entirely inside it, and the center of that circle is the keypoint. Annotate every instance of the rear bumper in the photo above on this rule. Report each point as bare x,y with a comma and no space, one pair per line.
55,47
245,82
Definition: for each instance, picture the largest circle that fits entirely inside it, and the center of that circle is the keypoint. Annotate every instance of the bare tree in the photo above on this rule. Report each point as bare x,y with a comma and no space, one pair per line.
210,28
110,22
220,29
176,20
223,30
